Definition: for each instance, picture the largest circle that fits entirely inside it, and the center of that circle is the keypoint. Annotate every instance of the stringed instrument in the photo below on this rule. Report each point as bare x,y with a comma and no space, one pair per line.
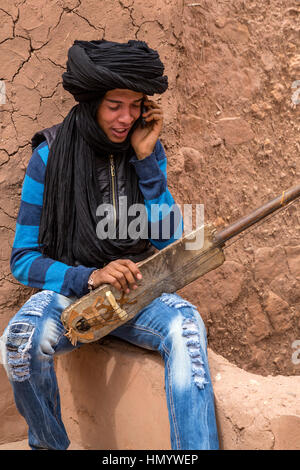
102,310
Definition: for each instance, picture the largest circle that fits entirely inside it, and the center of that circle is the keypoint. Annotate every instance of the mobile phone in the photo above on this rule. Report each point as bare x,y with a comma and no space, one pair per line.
143,110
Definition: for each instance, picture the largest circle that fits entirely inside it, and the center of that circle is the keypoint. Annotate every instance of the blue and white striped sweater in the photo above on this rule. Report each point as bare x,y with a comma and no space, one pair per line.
33,269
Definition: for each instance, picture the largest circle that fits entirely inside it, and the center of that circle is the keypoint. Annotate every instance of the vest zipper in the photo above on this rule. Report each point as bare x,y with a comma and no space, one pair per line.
113,186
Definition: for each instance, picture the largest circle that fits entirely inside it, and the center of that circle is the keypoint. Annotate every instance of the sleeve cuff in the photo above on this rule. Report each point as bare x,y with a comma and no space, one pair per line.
146,169
80,279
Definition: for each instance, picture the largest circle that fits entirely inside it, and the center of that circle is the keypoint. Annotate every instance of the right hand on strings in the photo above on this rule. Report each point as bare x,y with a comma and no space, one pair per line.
121,274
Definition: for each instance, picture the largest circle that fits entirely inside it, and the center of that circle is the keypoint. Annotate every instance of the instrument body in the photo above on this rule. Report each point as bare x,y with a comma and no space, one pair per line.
98,313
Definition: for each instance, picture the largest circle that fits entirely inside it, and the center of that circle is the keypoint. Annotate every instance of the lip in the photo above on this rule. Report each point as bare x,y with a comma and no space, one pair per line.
121,128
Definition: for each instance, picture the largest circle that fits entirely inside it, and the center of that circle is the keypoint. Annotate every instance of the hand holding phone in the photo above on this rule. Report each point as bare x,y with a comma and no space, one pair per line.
145,136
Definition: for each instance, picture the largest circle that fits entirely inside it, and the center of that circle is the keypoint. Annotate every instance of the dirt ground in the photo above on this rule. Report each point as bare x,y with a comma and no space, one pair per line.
231,135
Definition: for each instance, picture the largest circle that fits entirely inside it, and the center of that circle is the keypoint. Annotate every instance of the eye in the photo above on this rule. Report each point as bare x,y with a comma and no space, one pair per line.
113,109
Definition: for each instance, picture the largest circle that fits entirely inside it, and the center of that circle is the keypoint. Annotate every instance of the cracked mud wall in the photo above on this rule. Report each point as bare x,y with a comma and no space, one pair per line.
34,41
231,135
35,36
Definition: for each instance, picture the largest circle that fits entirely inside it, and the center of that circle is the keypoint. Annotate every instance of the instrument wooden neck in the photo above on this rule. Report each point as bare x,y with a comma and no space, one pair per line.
258,214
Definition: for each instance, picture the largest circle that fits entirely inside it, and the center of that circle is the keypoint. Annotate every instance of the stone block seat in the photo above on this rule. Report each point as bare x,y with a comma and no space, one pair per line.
113,397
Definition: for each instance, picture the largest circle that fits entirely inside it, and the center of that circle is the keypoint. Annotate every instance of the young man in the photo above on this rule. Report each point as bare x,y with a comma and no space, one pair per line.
100,153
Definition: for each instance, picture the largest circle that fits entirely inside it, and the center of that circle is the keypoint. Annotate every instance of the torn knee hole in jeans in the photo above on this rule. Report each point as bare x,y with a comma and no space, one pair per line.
191,333
18,344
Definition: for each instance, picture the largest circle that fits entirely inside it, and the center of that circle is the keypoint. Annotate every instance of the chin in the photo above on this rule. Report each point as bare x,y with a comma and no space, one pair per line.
116,140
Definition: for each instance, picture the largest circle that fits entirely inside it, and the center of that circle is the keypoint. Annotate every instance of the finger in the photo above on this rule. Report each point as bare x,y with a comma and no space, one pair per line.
153,110
128,274
154,117
108,279
121,279
125,272
132,266
151,103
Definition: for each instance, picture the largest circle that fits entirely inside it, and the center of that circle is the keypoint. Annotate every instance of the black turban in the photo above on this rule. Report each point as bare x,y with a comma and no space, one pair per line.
94,67
71,195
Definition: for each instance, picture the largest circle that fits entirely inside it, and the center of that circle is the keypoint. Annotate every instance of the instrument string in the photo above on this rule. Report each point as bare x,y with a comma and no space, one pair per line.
186,268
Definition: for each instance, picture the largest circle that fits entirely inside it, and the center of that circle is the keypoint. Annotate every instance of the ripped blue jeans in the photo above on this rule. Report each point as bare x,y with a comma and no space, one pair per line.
170,325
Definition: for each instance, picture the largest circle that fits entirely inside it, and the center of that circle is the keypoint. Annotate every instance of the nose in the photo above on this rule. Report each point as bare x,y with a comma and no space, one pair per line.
126,116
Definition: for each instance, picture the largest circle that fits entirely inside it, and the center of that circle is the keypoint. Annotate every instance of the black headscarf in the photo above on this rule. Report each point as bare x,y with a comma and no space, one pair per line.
71,195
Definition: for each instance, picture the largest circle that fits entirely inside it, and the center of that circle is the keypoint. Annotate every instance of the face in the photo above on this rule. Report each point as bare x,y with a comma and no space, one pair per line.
118,112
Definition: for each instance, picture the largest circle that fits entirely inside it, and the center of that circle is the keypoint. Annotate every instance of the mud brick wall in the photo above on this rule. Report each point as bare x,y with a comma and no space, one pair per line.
231,135
239,107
